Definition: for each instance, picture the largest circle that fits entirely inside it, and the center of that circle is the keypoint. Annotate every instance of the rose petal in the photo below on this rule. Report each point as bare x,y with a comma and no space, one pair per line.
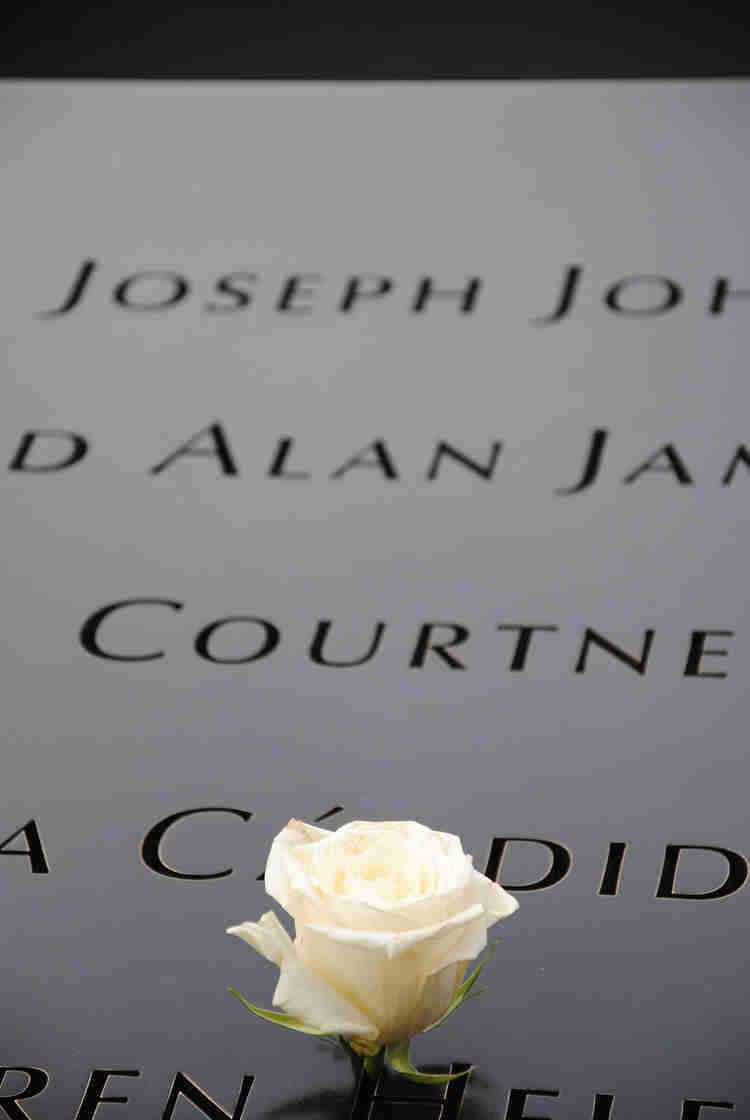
386,973
495,899
392,944
285,880
300,848
438,993
300,991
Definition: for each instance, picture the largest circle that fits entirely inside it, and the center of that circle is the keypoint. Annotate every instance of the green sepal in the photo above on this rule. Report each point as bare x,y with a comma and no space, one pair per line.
364,1049
398,1057
463,990
279,1018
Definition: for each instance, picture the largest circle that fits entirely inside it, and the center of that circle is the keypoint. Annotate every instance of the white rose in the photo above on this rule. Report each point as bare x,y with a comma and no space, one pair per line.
387,915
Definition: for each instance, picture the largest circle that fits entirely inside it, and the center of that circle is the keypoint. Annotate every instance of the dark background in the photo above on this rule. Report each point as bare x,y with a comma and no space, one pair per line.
364,41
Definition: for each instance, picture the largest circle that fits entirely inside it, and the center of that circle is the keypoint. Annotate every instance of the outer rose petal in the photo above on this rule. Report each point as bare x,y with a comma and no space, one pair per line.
300,991
285,880
495,899
438,993
387,974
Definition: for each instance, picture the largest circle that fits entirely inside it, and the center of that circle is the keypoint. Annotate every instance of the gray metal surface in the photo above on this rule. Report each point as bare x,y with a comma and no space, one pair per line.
107,964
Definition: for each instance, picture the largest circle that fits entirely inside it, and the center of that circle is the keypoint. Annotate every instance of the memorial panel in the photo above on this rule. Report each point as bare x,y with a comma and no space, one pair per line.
375,453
